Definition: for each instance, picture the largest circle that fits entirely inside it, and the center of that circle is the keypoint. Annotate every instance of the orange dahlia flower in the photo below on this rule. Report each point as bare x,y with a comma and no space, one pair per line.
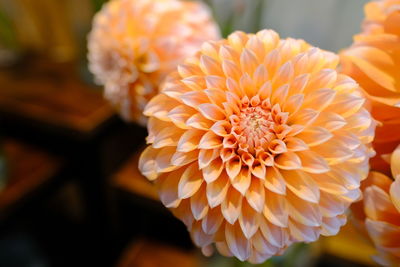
256,143
374,62
381,212
135,43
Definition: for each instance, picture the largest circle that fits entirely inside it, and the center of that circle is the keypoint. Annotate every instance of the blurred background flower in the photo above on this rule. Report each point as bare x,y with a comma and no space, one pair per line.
134,44
378,214
373,61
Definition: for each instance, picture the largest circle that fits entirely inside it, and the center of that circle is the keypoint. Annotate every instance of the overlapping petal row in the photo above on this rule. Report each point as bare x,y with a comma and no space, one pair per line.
134,44
374,61
381,212
256,143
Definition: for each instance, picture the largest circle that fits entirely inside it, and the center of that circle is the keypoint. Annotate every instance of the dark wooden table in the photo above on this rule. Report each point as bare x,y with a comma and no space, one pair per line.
49,106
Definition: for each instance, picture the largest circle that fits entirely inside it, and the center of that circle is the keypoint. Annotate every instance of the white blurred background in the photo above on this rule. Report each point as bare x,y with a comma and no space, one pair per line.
328,24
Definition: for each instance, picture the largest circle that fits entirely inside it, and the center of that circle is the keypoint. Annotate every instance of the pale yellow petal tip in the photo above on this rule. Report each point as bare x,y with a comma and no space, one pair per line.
132,65
258,143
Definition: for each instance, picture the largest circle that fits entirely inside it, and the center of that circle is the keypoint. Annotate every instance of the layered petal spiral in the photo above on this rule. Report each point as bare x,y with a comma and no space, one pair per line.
134,44
374,61
380,212
257,142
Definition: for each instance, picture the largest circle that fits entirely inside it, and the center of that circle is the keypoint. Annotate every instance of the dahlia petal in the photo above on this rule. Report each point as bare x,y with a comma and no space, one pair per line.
233,167
284,74
198,203
210,49
302,185
197,121
194,83
193,99
275,209
274,181
167,137
266,158
258,169
232,205
221,128
272,61
227,153
184,213
299,83
210,66
187,70
260,75
395,193
314,135
293,103
304,117
395,162
262,245
175,91
303,212
190,140
330,121
234,88
212,171
332,152
217,190
228,53
216,96
206,156
255,195
265,90
255,45
212,221
242,181
190,181
162,162
211,112
312,162
237,40
295,144
168,189
277,146
180,115
276,236
238,244
200,238
184,158
159,106
378,205
210,141
330,205
325,78
346,104
147,163
331,226
248,220
382,233
231,70
323,97
279,95
247,85
377,75
223,249
303,233
248,61
288,161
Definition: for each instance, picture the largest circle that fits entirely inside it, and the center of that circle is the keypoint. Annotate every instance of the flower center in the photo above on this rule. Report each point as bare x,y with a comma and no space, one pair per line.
258,124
